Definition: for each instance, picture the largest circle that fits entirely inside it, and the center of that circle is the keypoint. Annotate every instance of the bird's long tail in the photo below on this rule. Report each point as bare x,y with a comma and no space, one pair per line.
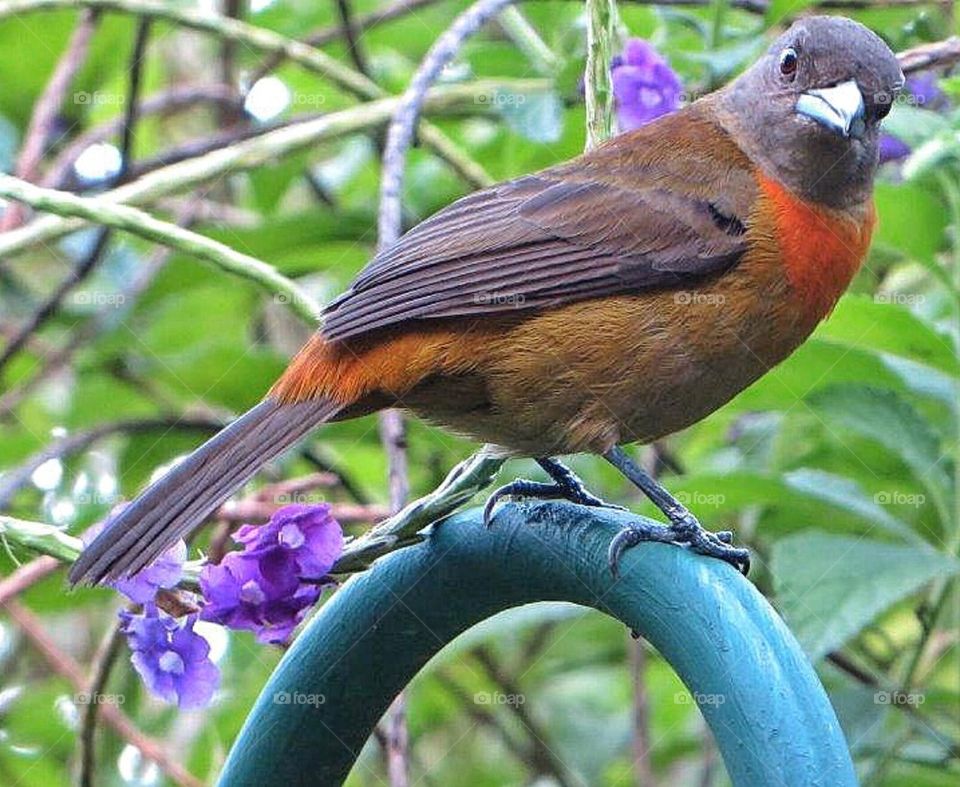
179,501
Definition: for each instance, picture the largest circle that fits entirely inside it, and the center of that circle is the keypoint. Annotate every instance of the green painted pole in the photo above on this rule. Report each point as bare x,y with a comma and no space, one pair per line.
773,724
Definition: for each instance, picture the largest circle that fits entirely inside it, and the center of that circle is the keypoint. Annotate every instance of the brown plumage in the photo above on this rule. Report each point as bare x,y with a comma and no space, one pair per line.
615,298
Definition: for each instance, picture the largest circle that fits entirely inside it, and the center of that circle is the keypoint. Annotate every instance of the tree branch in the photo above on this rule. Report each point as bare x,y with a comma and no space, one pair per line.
400,133
136,221
48,106
258,151
267,41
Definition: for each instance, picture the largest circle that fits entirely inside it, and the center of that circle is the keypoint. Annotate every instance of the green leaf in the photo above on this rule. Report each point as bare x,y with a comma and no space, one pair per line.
866,323
912,220
914,126
848,495
816,364
780,9
830,587
887,418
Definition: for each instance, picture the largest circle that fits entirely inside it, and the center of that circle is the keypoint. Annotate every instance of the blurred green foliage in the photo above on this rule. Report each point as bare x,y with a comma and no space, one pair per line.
839,468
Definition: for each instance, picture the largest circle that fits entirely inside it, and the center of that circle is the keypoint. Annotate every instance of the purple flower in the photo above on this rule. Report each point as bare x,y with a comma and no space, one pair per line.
240,596
644,85
924,88
269,586
307,535
164,572
925,93
172,659
892,149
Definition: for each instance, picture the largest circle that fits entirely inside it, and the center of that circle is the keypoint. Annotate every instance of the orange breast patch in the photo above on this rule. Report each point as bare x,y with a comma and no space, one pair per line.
821,248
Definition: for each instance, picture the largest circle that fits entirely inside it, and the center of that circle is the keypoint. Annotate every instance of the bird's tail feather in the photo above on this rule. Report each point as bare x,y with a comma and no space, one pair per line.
179,501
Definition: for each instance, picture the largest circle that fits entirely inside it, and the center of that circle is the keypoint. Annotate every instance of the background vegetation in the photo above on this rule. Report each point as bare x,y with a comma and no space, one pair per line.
838,469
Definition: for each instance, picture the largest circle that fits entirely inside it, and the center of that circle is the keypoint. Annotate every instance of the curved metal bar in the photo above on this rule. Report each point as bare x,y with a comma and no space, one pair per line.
764,703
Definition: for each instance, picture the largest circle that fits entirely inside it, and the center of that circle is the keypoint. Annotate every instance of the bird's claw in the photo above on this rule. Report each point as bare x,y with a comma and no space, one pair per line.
684,531
522,489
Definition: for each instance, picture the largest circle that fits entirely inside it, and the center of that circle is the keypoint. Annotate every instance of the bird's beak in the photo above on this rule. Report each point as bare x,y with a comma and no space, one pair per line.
839,108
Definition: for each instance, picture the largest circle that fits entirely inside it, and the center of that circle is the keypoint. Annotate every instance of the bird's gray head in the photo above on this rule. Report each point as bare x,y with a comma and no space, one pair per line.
809,110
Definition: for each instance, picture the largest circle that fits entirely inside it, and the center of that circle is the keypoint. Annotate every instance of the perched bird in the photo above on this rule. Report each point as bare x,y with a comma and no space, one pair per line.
615,298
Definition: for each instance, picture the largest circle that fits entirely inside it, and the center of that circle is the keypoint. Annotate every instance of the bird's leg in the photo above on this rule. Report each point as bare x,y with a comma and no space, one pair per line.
684,527
566,485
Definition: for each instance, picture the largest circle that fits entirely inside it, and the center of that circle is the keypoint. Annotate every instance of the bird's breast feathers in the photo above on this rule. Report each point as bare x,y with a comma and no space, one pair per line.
820,249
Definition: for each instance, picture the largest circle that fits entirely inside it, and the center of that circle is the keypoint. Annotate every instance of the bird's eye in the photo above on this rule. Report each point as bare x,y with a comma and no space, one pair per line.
882,109
788,62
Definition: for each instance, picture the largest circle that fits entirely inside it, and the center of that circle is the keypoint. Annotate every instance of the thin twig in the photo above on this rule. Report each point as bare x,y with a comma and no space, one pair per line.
103,661
48,107
343,478
83,269
65,666
258,151
543,757
128,295
350,35
396,735
936,55
598,88
400,133
528,40
642,744
14,480
361,24
26,576
60,173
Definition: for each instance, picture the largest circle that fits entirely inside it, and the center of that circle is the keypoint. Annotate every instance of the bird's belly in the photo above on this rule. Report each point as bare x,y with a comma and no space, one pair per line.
631,368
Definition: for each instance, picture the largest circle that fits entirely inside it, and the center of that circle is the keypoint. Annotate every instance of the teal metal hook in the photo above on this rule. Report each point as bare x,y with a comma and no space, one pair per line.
775,726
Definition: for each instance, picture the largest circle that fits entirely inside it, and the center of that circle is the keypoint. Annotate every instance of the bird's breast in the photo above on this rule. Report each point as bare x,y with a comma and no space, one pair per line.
820,248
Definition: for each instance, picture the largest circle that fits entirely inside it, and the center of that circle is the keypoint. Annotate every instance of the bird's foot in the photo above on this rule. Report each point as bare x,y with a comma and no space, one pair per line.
566,486
683,530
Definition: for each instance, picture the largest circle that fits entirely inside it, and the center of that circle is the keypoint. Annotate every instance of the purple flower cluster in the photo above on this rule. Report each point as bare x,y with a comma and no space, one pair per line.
269,585
644,85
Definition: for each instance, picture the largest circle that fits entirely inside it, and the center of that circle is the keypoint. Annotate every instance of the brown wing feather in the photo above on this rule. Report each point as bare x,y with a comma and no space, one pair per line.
634,215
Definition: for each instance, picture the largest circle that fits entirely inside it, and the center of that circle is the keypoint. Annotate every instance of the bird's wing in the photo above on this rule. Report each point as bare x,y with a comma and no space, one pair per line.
610,223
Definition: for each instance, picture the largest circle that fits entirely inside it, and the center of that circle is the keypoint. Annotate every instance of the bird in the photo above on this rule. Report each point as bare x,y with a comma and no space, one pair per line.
612,299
